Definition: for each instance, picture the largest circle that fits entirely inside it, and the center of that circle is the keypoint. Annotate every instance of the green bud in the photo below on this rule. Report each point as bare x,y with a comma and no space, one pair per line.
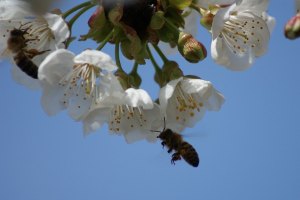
180,4
207,20
160,79
171,71
191,49
115,14
123,78
157,20
98,19
292,28
135,79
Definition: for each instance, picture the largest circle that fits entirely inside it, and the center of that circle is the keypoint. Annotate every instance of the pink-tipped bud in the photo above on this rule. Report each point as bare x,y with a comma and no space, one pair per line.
207,20
97,19
191,49
292,28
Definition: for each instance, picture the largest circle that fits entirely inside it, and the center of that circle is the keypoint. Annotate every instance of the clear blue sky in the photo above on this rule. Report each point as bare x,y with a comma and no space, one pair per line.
249,150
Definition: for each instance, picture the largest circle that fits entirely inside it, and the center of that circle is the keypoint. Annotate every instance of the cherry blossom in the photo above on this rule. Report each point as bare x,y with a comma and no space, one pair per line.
76,83
240,33
130,113
184,101
43,34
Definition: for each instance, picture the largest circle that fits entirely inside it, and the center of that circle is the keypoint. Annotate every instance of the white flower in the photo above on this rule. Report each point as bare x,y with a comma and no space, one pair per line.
184,101
76,83
43,34
240,33
131,113
206,3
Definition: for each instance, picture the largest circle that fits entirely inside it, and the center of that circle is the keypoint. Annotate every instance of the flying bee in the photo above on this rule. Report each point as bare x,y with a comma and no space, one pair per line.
17,44
174,141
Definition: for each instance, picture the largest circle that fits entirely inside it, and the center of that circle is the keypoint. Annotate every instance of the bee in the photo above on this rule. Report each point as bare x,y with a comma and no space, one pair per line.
17,44
174,141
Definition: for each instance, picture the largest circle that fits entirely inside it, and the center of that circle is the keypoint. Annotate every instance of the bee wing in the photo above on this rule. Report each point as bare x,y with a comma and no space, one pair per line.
5,53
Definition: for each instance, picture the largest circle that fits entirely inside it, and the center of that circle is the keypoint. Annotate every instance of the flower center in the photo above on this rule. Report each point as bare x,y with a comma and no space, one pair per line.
242,32
186,103
82,81
38,32
126,117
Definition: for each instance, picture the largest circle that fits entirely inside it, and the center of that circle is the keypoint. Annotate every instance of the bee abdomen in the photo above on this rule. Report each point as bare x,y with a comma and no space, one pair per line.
189,154
26,65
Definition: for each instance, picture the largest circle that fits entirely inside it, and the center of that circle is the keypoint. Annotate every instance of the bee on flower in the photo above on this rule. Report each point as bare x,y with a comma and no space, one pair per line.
27,38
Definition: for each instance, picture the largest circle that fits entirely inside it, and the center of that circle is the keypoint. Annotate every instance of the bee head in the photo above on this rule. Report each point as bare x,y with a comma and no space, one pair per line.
17,32
165,134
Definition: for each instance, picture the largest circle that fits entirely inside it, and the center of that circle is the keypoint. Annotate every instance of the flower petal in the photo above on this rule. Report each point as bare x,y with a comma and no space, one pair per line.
58,26
166,93
255,6
55,66
138,98
96,58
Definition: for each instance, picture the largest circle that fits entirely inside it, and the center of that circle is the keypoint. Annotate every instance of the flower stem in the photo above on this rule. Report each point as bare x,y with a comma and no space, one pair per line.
74,9
83,10
106,39
134,68
154,63
171,25
160,53
117,55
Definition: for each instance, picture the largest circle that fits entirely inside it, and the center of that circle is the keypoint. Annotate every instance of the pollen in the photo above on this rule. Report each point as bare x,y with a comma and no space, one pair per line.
125,116
186,104
241,32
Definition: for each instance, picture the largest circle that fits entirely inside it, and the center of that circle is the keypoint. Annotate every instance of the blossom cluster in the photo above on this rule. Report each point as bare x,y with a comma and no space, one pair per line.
95,90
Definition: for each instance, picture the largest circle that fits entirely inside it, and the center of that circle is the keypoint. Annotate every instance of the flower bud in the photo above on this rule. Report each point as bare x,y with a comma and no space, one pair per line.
171,71
207,20
180,4
292,28
160,79
97,19
157,20
135,79
123,78
191,49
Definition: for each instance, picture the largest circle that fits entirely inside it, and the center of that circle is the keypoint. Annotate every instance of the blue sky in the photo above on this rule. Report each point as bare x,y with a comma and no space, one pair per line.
249,150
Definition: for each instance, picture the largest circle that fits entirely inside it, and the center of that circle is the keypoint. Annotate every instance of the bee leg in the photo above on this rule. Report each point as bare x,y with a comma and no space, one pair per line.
170,150
33,52
163,143
175,157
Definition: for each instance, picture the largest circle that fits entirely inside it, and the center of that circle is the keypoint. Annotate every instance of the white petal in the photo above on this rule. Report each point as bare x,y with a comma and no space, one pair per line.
269,20
190,85
96,58
206,3
138,97
55,66
79,105
13,9
255,6
215,101
58,26
133,131
166,93
223,55
51,100
95,119
219,20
